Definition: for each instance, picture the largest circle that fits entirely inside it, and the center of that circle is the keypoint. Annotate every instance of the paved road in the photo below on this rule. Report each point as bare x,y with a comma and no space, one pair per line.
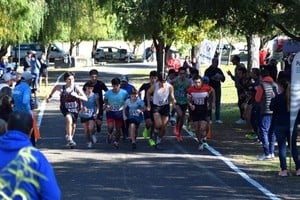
178,171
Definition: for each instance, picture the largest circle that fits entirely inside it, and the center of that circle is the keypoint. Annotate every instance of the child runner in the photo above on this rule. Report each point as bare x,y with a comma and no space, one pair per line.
148,131
133,114
114,100
70,99
89,112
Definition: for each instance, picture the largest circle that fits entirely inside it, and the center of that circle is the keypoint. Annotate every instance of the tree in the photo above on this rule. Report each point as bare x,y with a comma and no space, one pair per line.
20,20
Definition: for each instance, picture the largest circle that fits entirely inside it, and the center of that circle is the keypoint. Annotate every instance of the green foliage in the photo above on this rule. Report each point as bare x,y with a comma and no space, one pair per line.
21,171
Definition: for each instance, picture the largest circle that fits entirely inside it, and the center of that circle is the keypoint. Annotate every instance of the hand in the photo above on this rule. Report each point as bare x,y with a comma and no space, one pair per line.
74,94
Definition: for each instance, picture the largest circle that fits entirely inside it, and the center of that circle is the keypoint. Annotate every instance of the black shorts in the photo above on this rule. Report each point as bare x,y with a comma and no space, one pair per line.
73,115
162,110
148,115
133,121
100,115
183,107
198,116
83,120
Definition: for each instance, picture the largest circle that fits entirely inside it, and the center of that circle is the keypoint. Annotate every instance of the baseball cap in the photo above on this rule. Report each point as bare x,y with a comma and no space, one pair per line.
27,76
124,78
7,77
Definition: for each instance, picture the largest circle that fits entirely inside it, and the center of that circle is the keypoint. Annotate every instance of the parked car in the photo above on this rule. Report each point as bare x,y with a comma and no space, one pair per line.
20,51
113,54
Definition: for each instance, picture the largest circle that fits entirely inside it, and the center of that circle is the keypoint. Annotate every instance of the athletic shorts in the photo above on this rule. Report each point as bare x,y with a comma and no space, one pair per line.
83,120
118,122
162,110
133,121
183,107
198,116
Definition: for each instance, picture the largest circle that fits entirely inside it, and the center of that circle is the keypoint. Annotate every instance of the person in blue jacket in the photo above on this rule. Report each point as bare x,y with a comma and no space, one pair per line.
25,173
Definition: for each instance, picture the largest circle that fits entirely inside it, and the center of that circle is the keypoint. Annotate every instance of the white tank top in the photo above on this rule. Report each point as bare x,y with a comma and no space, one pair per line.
161,94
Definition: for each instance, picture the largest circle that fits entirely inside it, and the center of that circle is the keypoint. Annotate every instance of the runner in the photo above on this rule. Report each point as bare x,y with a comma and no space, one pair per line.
180,84
89,112
163,94
148,131
133,115
70,97
114,100
198,102
99,87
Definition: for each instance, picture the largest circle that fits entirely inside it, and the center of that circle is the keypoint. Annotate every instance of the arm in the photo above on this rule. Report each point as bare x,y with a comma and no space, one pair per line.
79,94
148,95
259,94
54,89
171,95
97,106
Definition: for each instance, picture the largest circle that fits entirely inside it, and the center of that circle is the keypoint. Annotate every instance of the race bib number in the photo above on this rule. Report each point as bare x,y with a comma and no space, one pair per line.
115,108
163,102
199,101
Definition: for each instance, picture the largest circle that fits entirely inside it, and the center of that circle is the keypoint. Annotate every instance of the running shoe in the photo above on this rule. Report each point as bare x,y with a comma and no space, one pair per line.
133,145
94,139
71,143
116,145
109,138
151,142
298,172
264,157
98,128
89,145
283,173
158,140
240,121
145,133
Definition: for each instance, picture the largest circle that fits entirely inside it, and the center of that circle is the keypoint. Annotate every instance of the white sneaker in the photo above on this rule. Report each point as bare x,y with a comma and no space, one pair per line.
240,121
94,139
272,155
219,121
264,157
89,145
158,140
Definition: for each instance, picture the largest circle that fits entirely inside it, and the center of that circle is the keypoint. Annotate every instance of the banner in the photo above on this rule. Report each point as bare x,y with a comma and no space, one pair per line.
207,51
295,91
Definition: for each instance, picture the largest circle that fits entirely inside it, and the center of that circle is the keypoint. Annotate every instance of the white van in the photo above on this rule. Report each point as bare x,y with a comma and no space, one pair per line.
20,51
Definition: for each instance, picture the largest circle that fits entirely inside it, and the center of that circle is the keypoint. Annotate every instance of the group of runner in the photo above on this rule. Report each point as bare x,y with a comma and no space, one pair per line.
152,104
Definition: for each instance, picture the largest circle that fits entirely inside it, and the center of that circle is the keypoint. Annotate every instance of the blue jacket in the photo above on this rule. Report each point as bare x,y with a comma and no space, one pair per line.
21,95
17,153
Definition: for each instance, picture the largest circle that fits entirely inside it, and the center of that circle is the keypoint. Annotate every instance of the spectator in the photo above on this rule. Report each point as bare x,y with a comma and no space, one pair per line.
44,69
265,92
280,105
2,126
215,76
36,178
236,61
35,69
27,61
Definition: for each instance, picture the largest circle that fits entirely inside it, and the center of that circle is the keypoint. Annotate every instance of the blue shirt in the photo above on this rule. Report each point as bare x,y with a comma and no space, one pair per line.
21,95
17,154
115,102
132,107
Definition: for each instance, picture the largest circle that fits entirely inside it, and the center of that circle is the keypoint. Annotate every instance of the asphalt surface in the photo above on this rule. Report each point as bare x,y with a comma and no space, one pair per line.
177,171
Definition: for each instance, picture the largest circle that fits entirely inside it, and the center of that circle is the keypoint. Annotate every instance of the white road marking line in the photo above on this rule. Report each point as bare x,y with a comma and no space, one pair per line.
237,170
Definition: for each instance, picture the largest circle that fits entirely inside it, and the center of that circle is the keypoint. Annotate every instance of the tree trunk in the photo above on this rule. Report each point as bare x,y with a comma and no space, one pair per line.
253,43
3,49
94,48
